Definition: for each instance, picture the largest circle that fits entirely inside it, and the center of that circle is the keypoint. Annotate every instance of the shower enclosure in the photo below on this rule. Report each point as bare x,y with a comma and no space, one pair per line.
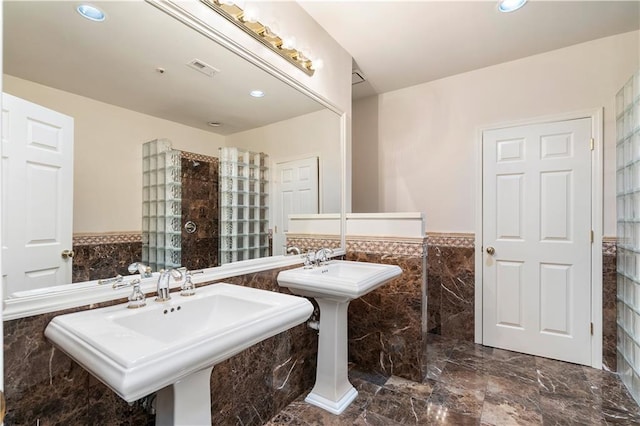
161,205
628,233
244,218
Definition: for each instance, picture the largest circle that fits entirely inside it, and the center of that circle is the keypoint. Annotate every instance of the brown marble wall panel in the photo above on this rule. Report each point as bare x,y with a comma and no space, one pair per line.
200,204
386,335
266,377
609,309
41,383
451,290
103,260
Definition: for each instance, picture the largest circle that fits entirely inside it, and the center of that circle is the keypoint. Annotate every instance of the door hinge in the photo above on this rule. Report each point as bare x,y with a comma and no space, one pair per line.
592,236
592,329
592,143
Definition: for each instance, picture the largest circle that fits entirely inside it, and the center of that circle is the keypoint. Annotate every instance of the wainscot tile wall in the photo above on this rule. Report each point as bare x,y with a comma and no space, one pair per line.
42,384
104,255
451,286
451,290
387,335
386,327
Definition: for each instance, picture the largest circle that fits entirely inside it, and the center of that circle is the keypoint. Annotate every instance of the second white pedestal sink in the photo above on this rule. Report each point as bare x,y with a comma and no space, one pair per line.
333,286
171,347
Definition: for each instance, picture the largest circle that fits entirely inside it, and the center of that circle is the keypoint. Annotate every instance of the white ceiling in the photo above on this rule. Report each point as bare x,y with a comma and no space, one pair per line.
395,44
115,61
398,44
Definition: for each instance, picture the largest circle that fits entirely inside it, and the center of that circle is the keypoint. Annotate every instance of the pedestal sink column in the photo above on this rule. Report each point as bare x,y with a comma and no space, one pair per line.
332,390
186,402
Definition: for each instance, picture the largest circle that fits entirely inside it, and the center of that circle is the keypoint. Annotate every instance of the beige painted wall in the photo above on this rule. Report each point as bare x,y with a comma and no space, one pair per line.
108,154
427,134
311,135
365,155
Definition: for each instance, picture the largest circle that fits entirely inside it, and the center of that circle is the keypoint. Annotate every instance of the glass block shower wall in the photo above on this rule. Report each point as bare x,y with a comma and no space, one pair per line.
628,233
244,218
161,205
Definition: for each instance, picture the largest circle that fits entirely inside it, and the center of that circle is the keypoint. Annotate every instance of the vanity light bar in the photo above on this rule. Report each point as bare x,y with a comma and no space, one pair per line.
262,33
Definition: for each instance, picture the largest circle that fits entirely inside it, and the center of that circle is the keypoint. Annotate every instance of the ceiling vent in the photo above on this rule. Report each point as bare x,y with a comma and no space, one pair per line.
357,77
203,67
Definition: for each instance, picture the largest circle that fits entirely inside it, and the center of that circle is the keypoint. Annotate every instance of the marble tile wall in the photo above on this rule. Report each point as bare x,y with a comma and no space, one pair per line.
200,205
387,326
386,332
451,286
609,305
387,335
451,290
104,255
42,384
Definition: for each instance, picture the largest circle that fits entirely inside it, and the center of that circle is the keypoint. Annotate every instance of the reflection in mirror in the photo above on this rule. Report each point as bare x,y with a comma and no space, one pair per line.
138,76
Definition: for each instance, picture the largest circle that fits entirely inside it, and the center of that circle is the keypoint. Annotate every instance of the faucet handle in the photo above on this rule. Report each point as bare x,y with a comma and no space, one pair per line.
292,249
309,258
188,287
321,255
117,279
137,299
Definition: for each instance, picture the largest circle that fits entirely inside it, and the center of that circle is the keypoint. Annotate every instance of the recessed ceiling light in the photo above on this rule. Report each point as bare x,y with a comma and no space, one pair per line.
257,93
214,124
510,5
91,12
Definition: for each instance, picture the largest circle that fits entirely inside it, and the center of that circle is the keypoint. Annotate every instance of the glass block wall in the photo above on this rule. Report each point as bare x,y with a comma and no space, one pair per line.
161,205
628,233
244,218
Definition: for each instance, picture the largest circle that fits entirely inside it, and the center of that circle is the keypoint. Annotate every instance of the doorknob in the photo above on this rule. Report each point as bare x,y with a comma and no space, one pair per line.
67,254
491,250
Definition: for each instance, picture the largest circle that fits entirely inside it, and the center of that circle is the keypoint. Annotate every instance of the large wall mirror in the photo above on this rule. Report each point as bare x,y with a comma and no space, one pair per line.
142,75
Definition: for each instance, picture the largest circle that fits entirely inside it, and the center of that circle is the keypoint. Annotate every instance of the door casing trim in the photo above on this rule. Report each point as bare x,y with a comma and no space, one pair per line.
597,218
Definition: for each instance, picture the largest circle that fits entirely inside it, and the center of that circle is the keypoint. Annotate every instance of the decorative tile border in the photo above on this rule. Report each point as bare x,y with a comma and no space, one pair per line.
372,245
107,238
306,242
380,245
413,247
451,240
609,246
468,241
198,157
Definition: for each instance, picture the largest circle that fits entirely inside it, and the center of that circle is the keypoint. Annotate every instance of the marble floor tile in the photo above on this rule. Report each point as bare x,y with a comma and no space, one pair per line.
469,384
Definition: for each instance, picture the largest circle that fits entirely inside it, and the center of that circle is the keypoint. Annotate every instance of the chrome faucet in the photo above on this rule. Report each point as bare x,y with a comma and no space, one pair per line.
117,279
137,299
321,256
309,259
293,249
164,285
141,268
188,287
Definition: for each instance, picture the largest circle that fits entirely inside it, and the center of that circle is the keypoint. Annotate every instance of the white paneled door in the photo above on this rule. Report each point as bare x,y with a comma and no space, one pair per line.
296,193
37,190
536,211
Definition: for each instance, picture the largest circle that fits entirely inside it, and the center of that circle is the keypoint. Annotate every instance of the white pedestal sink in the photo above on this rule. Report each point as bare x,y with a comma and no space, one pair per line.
333,286
171,347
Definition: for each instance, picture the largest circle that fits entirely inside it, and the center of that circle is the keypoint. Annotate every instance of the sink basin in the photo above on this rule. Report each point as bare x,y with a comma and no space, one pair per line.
338,279
139,351
333,286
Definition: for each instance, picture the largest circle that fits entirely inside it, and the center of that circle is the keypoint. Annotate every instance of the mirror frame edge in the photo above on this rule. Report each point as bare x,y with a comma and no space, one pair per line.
66,298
